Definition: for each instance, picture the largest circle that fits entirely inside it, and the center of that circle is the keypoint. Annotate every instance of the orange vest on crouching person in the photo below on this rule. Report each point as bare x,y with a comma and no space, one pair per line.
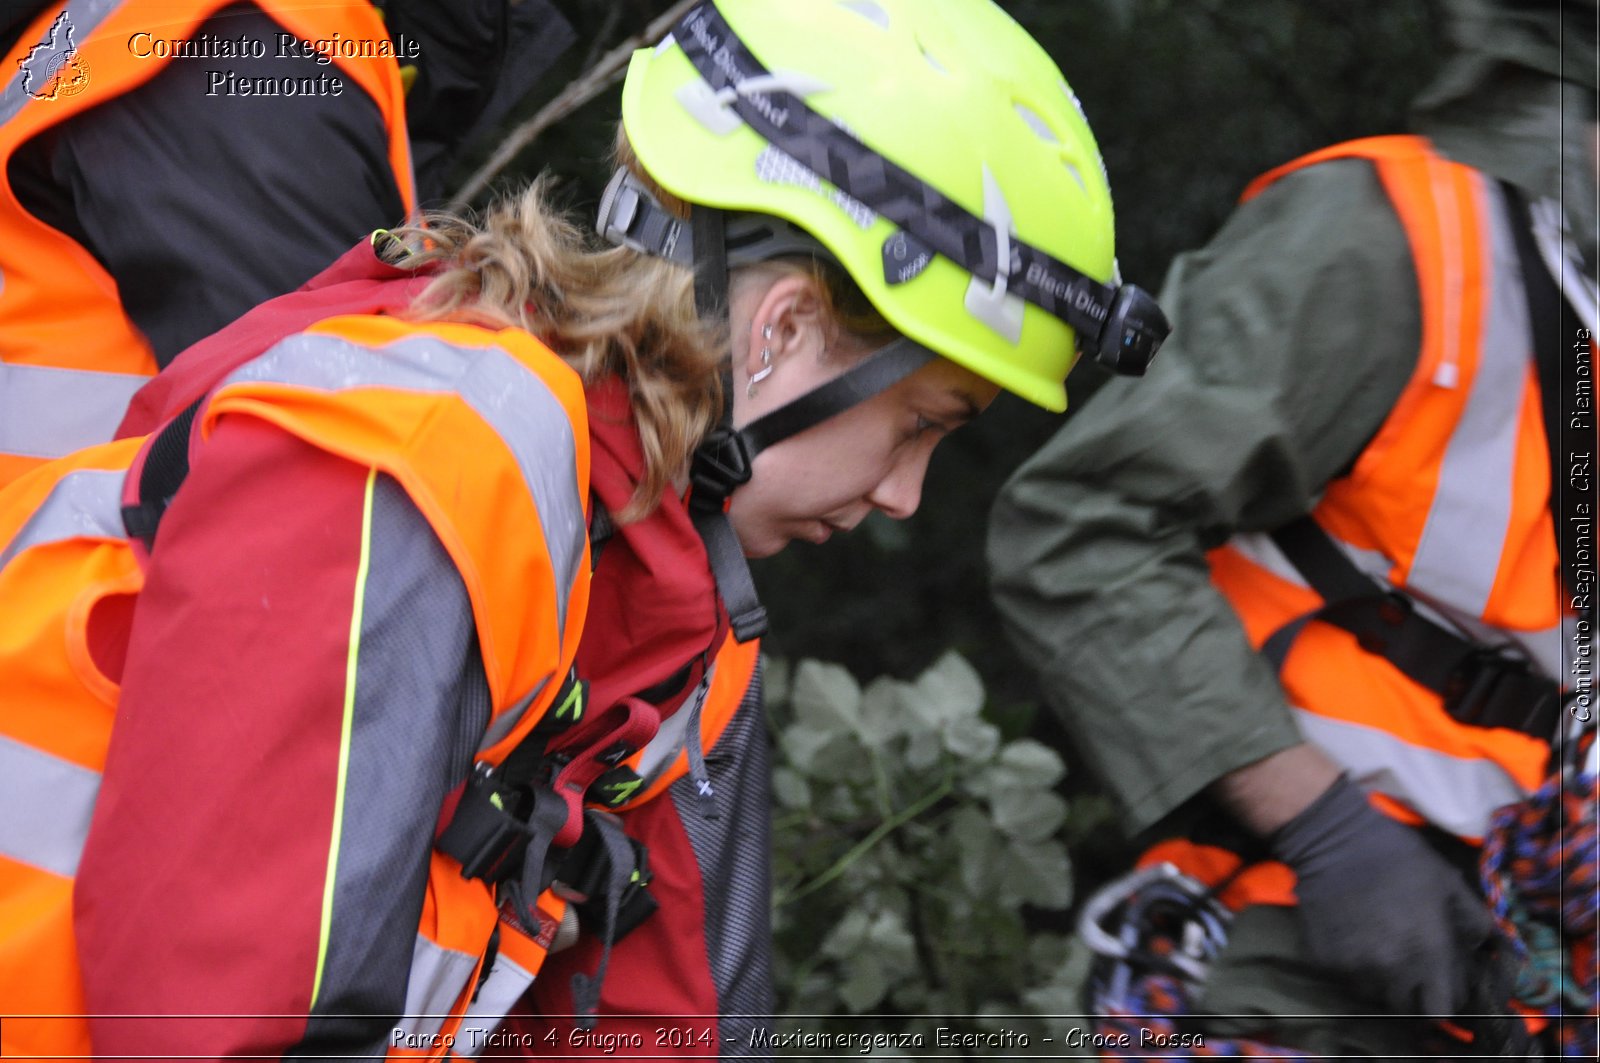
70,359
1447,513
382,393
1416,615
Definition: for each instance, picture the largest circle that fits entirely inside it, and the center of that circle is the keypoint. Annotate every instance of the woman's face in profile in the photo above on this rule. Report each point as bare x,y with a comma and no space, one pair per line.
872,456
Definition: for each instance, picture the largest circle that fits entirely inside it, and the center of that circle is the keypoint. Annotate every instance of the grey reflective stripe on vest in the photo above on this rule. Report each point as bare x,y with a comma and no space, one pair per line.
1458,794
45,807
670,739
506,983
1259,549
507,395
47,412
85,503
1542,646
1463,538
46,802
438,977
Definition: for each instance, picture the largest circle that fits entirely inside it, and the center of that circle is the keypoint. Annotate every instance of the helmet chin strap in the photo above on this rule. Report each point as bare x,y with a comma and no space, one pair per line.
630,216
720,465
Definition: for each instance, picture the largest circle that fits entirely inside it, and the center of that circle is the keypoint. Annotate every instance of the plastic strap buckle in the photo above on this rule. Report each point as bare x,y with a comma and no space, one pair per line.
1492,688
721,465
489,832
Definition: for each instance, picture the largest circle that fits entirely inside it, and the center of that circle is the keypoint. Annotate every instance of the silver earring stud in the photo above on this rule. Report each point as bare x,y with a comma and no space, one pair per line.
766,332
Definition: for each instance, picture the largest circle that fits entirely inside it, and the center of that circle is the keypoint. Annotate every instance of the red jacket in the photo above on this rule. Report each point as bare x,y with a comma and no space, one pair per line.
653,611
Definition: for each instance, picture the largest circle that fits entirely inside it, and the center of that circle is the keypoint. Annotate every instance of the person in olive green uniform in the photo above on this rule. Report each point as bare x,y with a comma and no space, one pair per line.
1295,331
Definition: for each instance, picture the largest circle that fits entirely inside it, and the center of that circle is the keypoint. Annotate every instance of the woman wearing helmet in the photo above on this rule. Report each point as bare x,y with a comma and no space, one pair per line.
459,550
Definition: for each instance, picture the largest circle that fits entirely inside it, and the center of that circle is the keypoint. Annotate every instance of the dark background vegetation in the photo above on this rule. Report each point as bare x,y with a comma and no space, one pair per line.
1189,99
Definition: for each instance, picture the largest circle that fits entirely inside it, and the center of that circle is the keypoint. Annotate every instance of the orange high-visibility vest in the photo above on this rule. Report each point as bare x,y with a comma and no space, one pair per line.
379,392
1448,504
69,357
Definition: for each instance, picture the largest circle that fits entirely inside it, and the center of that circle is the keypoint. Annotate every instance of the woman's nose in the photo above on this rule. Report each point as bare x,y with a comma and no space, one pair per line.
899,493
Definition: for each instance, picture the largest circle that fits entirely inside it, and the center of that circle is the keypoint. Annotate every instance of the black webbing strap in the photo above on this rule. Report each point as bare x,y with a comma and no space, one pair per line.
709,226
716,471
587,873
165,468
883,368
602,527
1479,685
621,870
747,617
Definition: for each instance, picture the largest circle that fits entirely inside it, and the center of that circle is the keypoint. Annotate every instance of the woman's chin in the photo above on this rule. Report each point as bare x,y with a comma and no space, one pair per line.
764,544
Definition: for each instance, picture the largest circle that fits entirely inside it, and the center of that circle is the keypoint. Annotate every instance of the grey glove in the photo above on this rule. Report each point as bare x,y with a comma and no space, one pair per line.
1380,907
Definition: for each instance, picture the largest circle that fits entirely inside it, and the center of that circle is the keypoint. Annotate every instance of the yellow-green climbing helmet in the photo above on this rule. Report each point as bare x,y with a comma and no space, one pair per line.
930,145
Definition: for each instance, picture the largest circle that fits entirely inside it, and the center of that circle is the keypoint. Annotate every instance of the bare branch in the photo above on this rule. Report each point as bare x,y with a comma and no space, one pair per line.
585,87
613,18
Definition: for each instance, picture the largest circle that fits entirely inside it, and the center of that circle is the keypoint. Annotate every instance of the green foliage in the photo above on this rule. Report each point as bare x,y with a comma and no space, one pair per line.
912,834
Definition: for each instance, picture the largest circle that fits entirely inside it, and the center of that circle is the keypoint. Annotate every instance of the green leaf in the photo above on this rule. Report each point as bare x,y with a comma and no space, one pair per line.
922,751
1027,762
1028,815
1048,952
847,935
893,944
948,691
978,847
1037,873
1051,999
827,696
882,712
790,788
972,739
865,983
802,745
842,804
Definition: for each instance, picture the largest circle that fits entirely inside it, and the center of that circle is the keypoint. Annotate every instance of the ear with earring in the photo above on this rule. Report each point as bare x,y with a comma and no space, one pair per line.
766,364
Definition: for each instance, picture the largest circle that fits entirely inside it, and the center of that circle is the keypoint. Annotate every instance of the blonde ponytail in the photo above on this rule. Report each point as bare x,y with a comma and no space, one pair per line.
602,310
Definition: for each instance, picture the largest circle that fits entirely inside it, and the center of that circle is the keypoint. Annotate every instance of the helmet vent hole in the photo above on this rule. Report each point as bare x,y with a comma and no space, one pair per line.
1036,123
868,10
931,60
1077,175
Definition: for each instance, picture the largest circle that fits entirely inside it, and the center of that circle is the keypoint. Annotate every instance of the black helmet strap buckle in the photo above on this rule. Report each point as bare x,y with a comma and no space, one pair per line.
721,465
